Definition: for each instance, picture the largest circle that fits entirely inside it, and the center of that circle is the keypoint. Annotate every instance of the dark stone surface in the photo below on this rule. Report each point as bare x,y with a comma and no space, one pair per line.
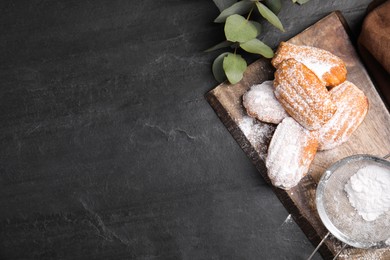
108,147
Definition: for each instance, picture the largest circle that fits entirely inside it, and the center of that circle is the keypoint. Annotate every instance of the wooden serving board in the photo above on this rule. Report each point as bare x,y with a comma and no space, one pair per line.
372,137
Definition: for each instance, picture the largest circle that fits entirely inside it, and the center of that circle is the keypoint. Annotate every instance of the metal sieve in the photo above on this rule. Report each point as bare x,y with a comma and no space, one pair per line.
336,212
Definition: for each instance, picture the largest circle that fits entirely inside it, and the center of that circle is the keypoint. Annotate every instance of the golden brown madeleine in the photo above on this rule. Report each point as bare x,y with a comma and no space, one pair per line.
290,153
303,95
352,107
329,68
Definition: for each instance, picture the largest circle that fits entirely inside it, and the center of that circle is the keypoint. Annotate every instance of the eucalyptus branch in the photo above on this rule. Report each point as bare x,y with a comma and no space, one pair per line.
241,32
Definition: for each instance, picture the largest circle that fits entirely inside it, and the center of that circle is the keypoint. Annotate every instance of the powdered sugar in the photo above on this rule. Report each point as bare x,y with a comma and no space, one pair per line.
257,133
290,154
261,103
369,191
319,68
350,253
329,68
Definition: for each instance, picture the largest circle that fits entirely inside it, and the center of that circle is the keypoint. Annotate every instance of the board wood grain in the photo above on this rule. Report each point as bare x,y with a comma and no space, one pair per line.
372,137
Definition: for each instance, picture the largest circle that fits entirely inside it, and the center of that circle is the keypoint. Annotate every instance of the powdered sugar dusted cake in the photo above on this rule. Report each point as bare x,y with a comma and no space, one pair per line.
290,153
303,95
310,116
352,107
261,103
329,68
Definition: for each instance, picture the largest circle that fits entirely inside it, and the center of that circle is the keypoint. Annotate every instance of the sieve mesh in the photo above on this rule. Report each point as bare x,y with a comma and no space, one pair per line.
337,214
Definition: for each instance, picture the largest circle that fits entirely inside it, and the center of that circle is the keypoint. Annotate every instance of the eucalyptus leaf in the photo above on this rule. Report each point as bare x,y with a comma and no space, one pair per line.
223,4
269,16
217,68
258,47
239,29
234,66
258,27
301,2
220,45
274,5
241,7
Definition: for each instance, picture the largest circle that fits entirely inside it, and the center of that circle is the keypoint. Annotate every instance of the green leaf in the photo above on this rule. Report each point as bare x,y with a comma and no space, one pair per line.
220,45
241,7
234,66
269,16
239,29
301,2
274,5
223,4
258,27
217,68
258,47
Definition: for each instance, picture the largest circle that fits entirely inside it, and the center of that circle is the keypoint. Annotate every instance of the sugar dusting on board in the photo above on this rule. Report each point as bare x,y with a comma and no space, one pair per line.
369,191
258,134
349,253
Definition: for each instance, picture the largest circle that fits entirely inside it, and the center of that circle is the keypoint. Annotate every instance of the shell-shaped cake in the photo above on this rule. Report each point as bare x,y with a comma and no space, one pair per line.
329,68
290,153
261,103
352,107
303,95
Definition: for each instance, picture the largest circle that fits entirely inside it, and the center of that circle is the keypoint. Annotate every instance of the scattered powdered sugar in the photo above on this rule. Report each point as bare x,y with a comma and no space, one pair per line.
369,254
288,221
257,133
369,191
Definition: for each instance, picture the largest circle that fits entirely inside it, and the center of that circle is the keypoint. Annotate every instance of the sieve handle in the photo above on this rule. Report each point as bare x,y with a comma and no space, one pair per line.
319,245
337,255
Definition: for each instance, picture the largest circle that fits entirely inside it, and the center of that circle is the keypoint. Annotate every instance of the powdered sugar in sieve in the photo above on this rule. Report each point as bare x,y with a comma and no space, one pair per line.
340,216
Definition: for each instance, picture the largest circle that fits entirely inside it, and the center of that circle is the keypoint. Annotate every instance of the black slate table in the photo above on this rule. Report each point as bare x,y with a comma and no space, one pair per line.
109,149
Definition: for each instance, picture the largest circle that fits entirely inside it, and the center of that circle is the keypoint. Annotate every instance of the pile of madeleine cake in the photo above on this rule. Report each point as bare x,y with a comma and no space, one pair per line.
314,106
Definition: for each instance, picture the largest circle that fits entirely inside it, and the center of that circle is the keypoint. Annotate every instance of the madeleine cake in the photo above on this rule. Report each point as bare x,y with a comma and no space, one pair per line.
261,103
329,68
352,107
290,153
303,95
